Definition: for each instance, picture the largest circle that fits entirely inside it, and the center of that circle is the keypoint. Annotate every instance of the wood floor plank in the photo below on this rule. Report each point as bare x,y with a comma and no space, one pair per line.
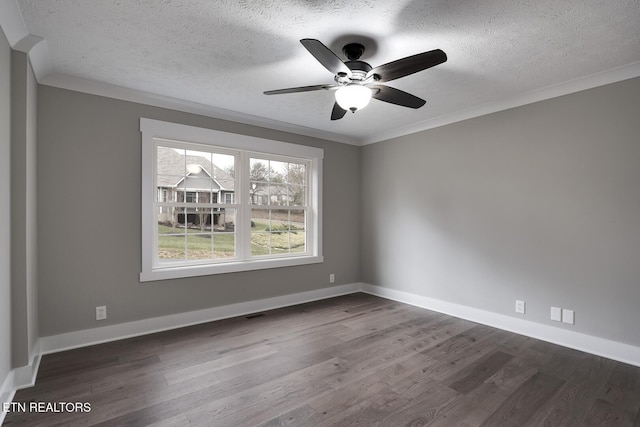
577,395
474,375
472,409
422,409
301,416
525,401
355,360
618,401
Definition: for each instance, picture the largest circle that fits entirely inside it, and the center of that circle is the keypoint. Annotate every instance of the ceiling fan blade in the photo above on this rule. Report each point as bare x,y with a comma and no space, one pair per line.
337,113
397,96
325,56
299,89
409,65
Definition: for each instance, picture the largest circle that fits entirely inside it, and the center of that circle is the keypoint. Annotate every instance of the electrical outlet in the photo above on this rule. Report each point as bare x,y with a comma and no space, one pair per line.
567,316
332,278
101,312
556,314
520,306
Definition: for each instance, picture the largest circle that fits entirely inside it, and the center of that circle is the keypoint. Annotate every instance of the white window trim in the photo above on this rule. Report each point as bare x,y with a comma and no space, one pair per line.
152,129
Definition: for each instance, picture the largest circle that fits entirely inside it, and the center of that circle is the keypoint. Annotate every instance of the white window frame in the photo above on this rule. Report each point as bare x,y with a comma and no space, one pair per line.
154,129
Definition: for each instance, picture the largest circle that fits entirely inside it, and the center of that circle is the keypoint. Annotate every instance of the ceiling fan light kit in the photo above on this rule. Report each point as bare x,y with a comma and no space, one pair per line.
353,97
357,82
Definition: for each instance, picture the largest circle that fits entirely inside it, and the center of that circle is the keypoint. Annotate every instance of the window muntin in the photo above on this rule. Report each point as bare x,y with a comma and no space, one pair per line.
226,202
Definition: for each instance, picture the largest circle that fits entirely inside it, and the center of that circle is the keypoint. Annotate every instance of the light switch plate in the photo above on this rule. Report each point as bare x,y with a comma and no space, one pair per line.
567,316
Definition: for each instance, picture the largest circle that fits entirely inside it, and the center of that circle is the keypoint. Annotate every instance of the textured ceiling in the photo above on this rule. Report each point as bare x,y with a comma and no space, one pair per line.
224,54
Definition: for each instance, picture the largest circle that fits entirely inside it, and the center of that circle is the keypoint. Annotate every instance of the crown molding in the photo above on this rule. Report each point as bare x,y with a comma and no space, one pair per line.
111,91
38,51
576,85
15,30
148,98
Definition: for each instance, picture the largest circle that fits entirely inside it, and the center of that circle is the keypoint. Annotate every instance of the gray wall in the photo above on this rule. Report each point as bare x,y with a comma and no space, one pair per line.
24,274
89,232
539,203
5,217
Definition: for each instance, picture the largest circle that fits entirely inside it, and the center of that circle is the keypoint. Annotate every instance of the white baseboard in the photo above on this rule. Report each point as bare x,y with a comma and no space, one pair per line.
6,394
19,378
86,337
599,346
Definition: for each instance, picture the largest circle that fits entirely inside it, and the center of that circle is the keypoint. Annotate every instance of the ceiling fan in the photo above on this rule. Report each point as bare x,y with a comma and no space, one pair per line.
357,82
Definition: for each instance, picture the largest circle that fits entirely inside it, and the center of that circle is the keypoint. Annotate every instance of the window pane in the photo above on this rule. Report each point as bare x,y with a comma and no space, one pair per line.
278,195
171,234
297,195
279,220
277,231
165,187
280,242
258,193
224,220
278,172
223,172
199,246
259,171
259,219
171,247
170,220
224,245
297,225
258,182
297,220
170,161
260,243
298,242
163,194
297,174
191,176
197,185
198,220
197,157
260,235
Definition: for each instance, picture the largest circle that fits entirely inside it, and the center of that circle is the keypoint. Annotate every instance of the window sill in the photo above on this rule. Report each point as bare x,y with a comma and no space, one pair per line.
232,267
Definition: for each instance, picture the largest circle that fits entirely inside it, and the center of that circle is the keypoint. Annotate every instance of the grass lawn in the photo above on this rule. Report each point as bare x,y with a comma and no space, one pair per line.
280,242
198,246
171,242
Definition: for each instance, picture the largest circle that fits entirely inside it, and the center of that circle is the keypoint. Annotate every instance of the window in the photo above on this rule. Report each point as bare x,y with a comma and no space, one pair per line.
192,196
215,202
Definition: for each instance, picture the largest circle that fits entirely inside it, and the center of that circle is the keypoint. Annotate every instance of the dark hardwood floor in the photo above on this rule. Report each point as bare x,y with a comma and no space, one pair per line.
355,360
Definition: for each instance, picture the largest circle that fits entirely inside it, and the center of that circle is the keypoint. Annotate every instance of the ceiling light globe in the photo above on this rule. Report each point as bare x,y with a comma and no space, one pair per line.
353,97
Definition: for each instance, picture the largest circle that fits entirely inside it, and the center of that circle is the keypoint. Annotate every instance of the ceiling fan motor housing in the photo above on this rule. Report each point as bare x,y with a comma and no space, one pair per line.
353,51
359,69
